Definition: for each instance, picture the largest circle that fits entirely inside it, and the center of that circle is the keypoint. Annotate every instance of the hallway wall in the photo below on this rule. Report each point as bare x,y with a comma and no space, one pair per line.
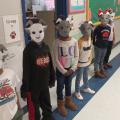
12,7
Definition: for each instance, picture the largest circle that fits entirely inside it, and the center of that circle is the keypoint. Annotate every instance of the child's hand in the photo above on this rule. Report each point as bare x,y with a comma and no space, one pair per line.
18,102
25,99
51,85
113,42
69,72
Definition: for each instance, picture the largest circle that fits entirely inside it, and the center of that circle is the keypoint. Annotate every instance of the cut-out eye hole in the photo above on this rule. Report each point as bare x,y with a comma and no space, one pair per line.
33,32
40,31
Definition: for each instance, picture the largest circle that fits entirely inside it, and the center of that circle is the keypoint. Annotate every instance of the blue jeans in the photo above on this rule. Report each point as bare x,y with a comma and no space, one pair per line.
81,71
99,58
61,82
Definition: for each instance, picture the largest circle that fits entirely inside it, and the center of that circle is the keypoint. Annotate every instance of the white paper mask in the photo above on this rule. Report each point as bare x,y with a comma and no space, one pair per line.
37,32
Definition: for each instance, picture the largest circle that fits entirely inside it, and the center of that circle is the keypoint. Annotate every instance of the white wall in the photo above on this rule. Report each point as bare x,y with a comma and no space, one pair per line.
28,4
78,19
117,30
12,7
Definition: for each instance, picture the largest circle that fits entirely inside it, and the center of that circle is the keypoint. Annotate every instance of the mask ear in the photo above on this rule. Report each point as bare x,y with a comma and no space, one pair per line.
110,10
58,21
70,19
100,12
106,12
43,24
91,23
27,30
44,27
112,15
29,23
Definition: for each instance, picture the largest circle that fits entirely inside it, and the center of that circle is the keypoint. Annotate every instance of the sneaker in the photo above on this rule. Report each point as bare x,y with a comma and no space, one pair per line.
78,96
88,90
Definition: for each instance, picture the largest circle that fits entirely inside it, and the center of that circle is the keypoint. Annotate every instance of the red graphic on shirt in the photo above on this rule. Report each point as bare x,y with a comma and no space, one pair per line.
13,35
43,61
6,91
105,34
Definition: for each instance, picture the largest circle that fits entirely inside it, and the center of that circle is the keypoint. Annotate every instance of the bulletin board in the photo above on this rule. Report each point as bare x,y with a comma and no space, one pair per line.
103,4
76,6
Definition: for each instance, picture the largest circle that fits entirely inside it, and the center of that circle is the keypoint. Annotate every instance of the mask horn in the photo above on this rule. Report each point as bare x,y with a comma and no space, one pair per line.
106,12
59,20
29,23
110,10
100,12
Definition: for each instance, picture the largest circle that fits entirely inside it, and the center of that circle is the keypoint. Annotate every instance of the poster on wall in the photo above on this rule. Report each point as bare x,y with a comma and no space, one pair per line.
50,4
76,6
11,28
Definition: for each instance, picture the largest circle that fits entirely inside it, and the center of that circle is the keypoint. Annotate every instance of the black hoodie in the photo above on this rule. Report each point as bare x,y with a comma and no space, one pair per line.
38,70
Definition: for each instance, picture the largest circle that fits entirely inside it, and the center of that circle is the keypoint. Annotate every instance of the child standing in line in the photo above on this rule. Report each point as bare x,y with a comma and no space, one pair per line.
9,102
111,40
100,42
85,57
67,53
38,72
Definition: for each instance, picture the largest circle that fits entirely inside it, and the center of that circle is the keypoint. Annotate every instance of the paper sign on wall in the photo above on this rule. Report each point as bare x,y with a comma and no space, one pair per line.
11,28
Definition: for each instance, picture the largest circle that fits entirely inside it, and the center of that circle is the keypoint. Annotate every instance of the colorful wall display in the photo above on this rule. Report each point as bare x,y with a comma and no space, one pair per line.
96,4
76,6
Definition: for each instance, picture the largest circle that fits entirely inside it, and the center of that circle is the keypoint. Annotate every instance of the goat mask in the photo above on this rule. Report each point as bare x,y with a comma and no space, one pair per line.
36,29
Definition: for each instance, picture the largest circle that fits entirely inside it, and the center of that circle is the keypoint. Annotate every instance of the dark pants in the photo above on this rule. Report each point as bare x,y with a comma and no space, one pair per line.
99,58
41,100
61,82
109,49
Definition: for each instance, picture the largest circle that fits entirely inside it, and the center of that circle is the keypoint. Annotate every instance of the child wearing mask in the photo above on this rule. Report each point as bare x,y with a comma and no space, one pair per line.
100,42
38,72
85,57
9,102
111,41
66,51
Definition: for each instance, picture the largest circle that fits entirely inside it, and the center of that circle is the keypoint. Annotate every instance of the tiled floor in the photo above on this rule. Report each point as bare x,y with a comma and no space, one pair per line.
100,100
105,104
